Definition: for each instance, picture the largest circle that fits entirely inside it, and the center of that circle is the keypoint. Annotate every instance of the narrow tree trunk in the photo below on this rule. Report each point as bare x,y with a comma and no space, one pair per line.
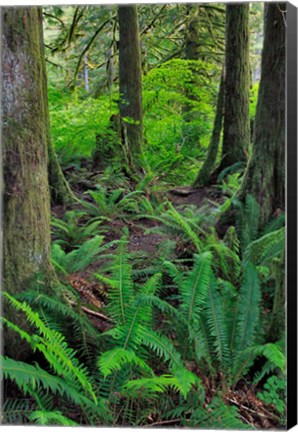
192,46
236,136
265,175
130,86
205,173
192,53
59,188
26,217
86,77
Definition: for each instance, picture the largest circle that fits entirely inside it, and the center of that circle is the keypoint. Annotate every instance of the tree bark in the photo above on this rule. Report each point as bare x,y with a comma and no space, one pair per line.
192,46
59,188
204,176
26,216
130,86
264,177
236,136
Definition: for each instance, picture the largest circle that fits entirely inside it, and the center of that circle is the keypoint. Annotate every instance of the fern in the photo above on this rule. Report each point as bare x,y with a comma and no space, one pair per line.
216,323
248,310
55,349
238,166
29,377
116,358
79,258
247,220
121,286
148,387
46,418
17,411
264,249
184,225
217,415
71,231
194,289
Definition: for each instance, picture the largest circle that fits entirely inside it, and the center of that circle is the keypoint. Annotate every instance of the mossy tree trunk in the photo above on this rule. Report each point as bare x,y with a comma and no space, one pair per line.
264,177
130,86
192,45
192,51
236,135
59,188
205,173
26,219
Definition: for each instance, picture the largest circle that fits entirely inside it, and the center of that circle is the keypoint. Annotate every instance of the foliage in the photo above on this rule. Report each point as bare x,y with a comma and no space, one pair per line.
70,231
73,128
171,140
68,378
79,258
274,393
182,332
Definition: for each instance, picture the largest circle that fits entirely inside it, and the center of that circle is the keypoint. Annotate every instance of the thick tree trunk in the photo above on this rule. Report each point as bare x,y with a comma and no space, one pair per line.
204,176
130,86
236,136
26,216
265,175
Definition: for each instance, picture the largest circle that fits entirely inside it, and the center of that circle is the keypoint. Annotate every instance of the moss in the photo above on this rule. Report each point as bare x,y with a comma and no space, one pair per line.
236,137
26,193
265,175
130,87
205,173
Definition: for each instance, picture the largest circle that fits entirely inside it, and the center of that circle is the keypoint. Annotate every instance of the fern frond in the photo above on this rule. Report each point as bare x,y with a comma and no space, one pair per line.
55,349
248,309
117,358
247,220
185,227
162,305
46,418
162,346
264,249
273,353
217,415
194,289
181,383
121,292
15,411
216,323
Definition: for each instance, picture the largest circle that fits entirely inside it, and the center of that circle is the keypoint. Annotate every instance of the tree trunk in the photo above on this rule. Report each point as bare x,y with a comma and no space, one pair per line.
265,174
192,53
192,46
130,86
26,217
205,173
236,136
276,329
59,188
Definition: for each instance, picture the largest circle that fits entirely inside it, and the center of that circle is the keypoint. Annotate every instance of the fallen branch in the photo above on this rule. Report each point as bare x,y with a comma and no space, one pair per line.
269,414
91,312
162,423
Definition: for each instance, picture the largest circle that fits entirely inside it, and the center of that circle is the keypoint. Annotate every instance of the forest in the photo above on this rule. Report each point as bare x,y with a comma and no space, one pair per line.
144,215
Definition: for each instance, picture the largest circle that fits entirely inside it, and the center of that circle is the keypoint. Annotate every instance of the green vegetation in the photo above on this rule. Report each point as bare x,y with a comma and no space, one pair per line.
163,301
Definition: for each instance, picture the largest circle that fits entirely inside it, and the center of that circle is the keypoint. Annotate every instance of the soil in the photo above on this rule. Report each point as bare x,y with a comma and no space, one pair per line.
141,241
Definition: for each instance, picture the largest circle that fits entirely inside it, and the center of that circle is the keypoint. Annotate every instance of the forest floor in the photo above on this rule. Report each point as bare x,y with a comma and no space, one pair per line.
144,247
142,242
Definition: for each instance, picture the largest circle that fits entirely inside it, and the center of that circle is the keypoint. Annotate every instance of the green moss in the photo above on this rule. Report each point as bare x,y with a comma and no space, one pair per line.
26,194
